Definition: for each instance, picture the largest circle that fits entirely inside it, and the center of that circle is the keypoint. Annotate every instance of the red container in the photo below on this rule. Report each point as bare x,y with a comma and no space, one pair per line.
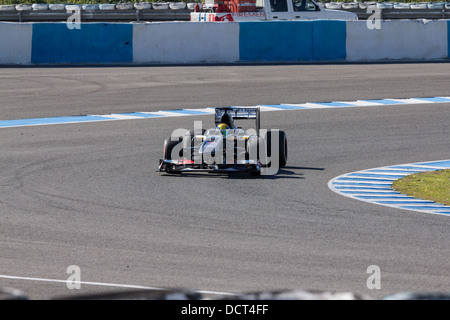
243,5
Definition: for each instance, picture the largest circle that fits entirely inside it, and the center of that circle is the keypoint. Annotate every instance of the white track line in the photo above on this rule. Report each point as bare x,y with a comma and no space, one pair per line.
103,284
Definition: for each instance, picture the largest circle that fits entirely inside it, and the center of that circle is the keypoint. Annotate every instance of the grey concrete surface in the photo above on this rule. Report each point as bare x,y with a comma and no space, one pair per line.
88,194
62,91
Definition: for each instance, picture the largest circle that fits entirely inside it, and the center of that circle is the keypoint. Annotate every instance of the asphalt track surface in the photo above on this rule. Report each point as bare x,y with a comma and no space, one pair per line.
88,194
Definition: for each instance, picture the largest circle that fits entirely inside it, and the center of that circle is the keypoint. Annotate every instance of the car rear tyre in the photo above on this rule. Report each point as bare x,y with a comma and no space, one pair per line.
283,150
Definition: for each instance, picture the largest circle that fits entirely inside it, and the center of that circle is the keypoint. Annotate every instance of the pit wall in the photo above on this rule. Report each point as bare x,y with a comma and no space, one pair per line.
227,42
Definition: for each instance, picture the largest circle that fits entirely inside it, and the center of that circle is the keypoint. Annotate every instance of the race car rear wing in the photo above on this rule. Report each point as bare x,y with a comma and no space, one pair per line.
239,113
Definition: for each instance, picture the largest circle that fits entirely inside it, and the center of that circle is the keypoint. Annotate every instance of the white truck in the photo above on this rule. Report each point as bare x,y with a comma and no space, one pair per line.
254,10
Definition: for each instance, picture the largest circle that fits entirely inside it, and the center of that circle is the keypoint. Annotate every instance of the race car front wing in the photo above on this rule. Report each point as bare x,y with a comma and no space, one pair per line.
179,166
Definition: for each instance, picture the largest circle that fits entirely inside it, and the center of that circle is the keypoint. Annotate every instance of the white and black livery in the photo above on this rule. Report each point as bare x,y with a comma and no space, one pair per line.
226,148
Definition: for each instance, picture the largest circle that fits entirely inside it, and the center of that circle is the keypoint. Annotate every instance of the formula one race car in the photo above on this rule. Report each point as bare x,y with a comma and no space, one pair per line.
226,148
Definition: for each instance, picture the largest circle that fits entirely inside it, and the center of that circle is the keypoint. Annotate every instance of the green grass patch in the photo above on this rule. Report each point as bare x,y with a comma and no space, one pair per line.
434,186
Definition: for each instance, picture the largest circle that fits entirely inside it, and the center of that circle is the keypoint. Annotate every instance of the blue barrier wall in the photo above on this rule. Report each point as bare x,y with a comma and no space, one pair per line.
292,40
329,40
275,41
94,42
208,42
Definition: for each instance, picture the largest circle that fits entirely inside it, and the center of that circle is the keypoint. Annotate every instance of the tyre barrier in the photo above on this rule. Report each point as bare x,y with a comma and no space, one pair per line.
9,7
57,7
39,7
350,5
402,6
188,294
177,5
7,293
190,6
90,7
385,5
180,11
142,5
333,5
107,7
160,6
72,7
23,7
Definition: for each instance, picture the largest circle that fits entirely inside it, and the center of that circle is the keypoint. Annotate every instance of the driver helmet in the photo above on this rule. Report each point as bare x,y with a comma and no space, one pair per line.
227,119
223,127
